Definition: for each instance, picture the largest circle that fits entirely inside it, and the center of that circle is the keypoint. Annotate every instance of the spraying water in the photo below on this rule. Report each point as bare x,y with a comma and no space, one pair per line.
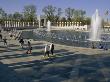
96,23
48,25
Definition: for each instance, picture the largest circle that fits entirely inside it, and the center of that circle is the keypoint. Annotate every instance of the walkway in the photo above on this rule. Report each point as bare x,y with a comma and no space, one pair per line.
70,64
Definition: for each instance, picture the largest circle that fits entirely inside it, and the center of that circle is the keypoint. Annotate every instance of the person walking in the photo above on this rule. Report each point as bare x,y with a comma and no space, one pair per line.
5,41
51,48
46,50
105,46
21,42
0,36
29,48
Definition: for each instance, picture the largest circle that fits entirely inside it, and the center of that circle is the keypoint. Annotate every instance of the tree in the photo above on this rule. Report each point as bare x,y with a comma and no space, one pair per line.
17,15
82,13
2,14
106,14
69,13
10,16
63,19
87,21
79,14
29,12
49,11
58,14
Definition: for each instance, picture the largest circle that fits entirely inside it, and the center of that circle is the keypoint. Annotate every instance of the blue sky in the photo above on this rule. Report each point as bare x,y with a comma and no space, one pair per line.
89,6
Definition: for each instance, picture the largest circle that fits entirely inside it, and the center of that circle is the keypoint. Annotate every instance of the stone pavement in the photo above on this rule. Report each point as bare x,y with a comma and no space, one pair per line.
70,64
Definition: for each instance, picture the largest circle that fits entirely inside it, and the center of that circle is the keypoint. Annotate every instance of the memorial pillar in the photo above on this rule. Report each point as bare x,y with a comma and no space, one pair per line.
64,23
28,24
23,24
57,24
33,24
67,24
5,23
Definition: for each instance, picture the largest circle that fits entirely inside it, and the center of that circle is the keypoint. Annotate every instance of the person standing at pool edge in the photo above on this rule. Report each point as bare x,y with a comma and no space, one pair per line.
46,51
5,41
51,48
29,48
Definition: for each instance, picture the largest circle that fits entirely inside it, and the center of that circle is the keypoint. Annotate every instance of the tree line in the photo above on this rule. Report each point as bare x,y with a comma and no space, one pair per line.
51,13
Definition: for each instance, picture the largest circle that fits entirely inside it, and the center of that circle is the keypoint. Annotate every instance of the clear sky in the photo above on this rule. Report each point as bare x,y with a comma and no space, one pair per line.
89,6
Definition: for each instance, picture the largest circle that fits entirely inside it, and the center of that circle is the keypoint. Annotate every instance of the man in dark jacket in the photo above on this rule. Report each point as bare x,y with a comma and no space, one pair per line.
52,48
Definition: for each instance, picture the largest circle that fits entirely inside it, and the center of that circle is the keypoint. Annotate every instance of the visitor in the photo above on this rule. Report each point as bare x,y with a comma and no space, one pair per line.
0,36
105,47
51,48
21,42
5,41
100,46
29,48
46,51
93,46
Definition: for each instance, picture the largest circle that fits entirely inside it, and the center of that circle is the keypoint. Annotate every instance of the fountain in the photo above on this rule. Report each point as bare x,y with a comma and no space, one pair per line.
48,25
93,38
95,31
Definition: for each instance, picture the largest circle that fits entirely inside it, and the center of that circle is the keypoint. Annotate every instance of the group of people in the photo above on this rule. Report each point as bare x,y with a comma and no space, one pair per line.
29,47
49,49
103,46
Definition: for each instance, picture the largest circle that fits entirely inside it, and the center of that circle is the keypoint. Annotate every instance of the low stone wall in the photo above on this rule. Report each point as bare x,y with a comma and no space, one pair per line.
84,28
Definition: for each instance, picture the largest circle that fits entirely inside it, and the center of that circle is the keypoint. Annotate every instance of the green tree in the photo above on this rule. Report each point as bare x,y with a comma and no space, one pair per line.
63,19
17,16
69,13
3,15
10,16
50,12
79,14
58,14
29,12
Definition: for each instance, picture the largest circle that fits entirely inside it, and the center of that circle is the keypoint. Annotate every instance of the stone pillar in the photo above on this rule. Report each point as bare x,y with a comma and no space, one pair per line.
15,24
5,23
67,24
18,24
44,22
72,23
9,23
33,24
23,24
28,24
62,24
57,24
77,23
39,21
80,23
